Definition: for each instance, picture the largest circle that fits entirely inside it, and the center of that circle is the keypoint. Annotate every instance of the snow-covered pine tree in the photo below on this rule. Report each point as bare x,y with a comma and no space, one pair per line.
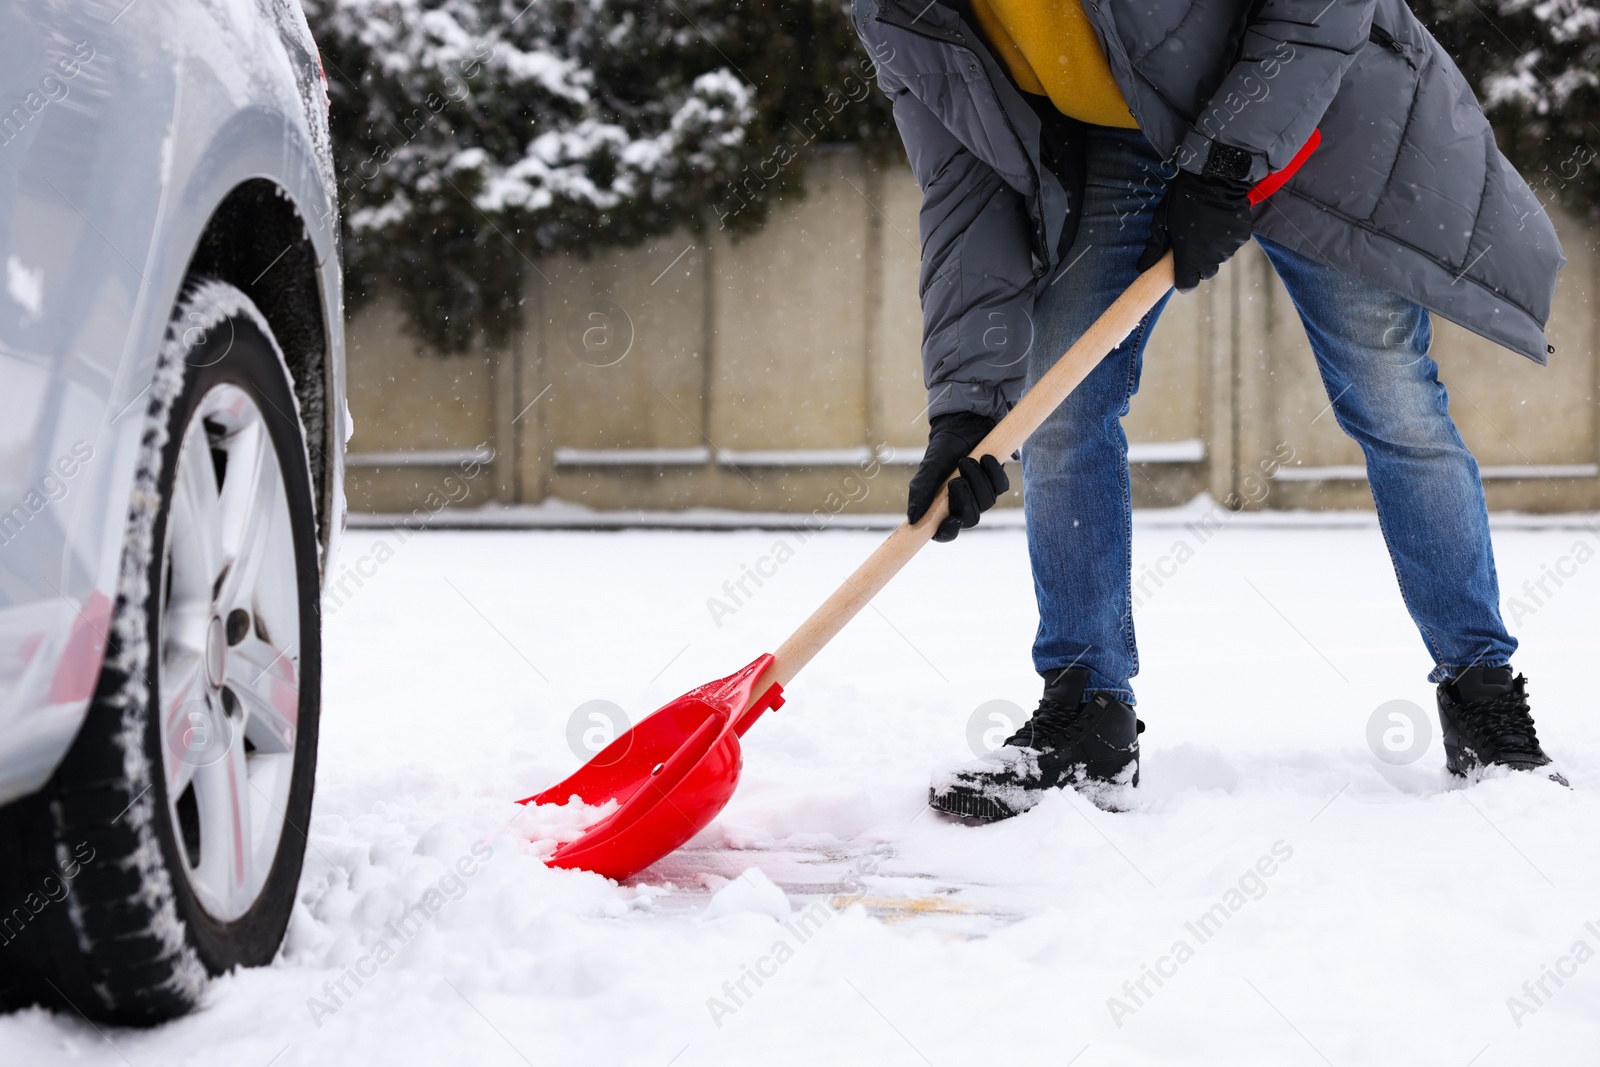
472,136
1535,64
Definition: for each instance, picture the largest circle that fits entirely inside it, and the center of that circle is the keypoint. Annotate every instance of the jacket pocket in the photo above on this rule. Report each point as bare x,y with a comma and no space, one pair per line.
1363,131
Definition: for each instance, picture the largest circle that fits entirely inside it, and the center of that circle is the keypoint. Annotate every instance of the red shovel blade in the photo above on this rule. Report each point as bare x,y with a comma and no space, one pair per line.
670,775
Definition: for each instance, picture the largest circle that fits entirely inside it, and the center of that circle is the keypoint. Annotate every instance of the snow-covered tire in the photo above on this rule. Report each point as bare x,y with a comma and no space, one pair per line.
135,934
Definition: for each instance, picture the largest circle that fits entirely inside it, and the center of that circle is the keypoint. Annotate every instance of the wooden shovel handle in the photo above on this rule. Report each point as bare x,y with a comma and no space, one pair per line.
1097,341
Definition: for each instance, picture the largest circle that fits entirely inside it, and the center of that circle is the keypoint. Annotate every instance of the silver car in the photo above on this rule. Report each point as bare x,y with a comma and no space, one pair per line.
171,425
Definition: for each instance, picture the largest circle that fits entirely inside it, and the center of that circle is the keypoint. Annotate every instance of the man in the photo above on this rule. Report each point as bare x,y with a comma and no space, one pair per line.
1062,146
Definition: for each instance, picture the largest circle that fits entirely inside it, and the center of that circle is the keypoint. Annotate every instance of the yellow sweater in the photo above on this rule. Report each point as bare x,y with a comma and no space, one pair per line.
1052,50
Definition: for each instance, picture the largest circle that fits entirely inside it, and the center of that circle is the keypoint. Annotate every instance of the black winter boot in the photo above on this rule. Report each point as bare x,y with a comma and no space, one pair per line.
1485,719
1071,740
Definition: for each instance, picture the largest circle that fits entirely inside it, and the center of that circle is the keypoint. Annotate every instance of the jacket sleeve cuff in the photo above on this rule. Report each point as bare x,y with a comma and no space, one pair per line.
980,398
1196,155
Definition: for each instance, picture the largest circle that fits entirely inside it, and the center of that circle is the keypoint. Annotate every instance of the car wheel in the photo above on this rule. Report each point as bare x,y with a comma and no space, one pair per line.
176,823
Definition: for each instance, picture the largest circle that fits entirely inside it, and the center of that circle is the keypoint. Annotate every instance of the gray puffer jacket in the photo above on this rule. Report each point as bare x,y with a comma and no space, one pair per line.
1407,189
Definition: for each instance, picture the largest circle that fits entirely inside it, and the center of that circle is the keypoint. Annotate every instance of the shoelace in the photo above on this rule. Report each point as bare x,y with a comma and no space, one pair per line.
1054,725
1503,722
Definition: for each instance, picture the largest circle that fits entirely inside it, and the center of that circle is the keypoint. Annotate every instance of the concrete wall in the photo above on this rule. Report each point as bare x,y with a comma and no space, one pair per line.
762,374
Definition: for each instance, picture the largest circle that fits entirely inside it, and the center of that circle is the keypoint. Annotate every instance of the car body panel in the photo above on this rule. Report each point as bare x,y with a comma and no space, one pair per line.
122,128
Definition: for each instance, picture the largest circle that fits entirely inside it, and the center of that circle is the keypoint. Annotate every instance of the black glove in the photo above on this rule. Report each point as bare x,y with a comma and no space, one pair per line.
1204,219
974,491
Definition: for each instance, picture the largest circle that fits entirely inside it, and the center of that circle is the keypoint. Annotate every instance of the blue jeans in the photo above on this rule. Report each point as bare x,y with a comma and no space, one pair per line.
1371,348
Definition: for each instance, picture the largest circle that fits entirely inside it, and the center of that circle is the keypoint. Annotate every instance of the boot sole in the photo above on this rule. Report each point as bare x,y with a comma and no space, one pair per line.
970,806
1463,763
977,807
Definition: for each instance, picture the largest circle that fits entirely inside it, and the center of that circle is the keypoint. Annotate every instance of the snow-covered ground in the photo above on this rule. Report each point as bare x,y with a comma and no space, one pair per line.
1278,896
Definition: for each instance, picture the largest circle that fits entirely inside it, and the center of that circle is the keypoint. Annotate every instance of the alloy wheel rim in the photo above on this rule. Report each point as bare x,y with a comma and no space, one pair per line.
229,664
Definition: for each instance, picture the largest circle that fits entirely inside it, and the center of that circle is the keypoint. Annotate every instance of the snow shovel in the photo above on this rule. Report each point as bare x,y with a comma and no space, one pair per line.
671,774
674,772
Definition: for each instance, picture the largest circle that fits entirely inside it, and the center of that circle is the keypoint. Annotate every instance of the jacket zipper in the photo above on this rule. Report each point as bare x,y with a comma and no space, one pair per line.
1043,267
1384,39
1038,183
1106,42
